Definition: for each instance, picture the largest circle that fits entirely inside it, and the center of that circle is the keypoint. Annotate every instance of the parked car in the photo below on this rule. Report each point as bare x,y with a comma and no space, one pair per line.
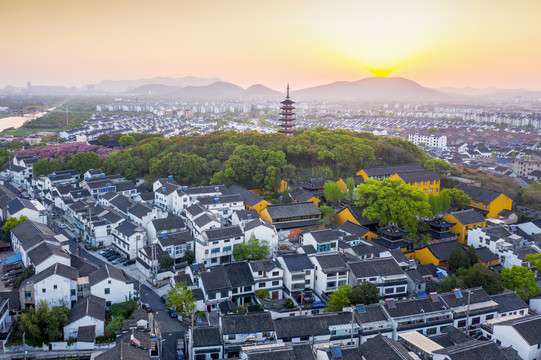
62,225
88,246
146,306
173,312
164,298
129,262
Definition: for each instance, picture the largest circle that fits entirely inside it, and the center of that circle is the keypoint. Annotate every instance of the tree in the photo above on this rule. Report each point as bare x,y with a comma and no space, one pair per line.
254,249
439,204
166,262
471,253
263,294
333,192
189,257
393,201
44,325
126,140
13,222
104,138
458,198
521,280
449,283
82,162
181,298
350,182
338,299
364,293
114,324
458,259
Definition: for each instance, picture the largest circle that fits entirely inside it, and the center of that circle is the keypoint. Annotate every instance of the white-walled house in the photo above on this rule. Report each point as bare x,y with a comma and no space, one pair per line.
268,275
216,287
176,244
222,206
388,276
87,312
57,285
45,255
32,209
215,246
323,241
523,334
298,271
112,284
331,272
262,230
128,237
168,225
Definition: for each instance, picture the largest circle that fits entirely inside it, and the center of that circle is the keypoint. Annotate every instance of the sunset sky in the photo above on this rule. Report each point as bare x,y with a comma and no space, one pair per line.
460,43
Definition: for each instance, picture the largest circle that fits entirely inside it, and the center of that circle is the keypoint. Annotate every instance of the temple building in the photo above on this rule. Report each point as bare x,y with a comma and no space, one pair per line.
287,116
391,237
439,229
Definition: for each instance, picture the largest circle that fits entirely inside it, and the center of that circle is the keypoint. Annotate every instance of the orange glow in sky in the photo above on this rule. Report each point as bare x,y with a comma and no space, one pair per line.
460,43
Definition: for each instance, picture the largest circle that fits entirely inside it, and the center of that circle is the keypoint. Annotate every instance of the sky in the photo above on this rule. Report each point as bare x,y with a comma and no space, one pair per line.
437,43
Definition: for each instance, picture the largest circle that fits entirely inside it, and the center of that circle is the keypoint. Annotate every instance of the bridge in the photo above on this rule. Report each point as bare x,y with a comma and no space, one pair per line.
34,108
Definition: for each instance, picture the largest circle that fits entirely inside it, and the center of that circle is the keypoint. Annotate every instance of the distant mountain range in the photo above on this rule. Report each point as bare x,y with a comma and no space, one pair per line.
369,89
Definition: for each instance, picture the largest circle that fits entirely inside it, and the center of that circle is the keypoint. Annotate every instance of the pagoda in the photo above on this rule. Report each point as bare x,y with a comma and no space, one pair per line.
439,229
392,237
287,116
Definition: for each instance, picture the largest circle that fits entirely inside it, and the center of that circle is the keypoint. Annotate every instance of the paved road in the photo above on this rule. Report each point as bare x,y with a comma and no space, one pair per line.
171,328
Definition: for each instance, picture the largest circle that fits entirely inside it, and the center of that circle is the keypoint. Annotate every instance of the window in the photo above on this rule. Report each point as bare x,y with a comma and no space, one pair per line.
107,291
490,316
235,290
55,287
461,323
476,320
389,290
275,283
212,296
247,288
43,290
108,303
260,285
73,292
275,273
485,206
476,203
224,294
108,281
431,331
232,337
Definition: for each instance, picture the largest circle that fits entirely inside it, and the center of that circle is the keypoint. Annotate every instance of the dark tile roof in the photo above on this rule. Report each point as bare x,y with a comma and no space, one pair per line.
247,323
375,267
291,351
415,276
509,301
86,333
209,189
124,351
442,250
297,262
92,306
204,220
224,233
388,170
477,295
44,251
372,313
255,223
420,175
140,210
215,279
485,254
479,194
301,326
177,238
354,229
183,278
262,265
18,204
169,223
127,228
331,263
223,199
357,212
528,327
301,195
325,235
474,349
415,306
296,224
248,197
206,336
195,209
31,233
381,347
65,271
291,210
13,296
468,217
106,271
239,274
451,336
249,214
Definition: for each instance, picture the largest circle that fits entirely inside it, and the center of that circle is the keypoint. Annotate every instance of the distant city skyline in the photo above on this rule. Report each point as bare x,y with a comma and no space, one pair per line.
305,43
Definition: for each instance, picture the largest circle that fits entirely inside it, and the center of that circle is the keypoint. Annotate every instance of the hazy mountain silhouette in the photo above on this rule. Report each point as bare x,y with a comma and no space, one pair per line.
372,89
261,90
125,85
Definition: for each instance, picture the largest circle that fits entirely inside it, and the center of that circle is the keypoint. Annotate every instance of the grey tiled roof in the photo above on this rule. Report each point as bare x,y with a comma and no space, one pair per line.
247,323
92,306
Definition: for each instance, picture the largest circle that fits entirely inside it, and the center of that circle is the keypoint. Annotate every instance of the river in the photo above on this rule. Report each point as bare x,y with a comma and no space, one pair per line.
18,121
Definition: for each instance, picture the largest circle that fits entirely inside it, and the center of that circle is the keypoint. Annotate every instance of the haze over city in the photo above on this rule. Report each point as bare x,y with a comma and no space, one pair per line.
454,43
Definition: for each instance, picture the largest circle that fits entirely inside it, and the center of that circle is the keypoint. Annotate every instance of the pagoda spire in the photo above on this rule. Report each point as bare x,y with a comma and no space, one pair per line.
287,116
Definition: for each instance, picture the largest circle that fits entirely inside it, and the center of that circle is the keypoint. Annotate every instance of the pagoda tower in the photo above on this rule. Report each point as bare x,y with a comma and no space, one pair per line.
287,116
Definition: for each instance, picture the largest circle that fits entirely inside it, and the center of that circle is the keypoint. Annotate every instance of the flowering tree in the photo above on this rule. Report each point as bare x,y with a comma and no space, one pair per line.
64,152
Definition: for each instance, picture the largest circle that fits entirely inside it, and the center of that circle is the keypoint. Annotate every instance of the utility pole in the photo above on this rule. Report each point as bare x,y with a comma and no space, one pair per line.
468,314
24,344
352,321
67,116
